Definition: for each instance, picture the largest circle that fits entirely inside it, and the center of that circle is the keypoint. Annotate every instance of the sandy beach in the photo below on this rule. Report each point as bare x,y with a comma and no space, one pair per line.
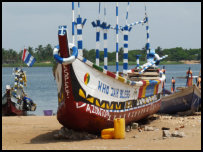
37,133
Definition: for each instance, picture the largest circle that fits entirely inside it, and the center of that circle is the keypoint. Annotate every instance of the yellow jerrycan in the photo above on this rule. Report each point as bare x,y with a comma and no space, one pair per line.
119,128
107,133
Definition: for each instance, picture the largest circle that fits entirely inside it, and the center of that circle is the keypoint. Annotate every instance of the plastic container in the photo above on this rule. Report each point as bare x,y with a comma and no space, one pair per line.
107,133
119,128
48,112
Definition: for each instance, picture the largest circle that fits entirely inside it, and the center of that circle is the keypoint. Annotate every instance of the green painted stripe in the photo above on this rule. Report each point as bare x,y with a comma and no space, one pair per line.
97,67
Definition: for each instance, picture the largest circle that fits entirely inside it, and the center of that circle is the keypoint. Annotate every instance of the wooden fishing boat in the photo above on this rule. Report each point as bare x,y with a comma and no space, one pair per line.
188,98
9,104
15,100
91,97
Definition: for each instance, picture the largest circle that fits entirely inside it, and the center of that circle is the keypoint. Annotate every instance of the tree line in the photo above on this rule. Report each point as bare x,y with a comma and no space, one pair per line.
45,53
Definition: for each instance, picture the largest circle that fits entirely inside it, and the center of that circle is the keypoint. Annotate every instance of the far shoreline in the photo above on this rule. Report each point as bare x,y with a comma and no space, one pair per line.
50,64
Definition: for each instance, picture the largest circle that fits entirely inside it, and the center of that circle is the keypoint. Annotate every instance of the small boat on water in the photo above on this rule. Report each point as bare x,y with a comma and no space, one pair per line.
91,97
15,101
186,100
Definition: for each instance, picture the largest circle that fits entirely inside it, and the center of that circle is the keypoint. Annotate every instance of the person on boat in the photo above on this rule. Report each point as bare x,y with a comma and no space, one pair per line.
199,82
189,81
173,85
163,84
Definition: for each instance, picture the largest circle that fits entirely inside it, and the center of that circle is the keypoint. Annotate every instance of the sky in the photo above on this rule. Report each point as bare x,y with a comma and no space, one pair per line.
171,24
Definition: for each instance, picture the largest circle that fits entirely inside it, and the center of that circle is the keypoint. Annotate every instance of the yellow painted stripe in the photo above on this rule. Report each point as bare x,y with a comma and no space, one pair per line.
118,107
144,91
97,103
81,93
121,79
103,105
107,106
91,99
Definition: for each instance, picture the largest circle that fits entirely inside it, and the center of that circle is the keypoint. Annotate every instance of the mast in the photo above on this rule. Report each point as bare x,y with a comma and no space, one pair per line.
79,26
73,23
117,69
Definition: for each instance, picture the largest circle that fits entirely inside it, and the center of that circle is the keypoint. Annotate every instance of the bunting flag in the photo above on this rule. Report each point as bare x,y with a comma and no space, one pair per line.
28,58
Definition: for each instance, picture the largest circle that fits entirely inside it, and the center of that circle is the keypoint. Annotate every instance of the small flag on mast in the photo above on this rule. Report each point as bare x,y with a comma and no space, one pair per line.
28,58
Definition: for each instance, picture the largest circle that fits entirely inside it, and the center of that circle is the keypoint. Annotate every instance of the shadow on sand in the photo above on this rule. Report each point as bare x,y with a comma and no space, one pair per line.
49,138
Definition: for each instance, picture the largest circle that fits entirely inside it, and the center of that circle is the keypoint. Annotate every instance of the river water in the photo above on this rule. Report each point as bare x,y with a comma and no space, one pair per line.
42,89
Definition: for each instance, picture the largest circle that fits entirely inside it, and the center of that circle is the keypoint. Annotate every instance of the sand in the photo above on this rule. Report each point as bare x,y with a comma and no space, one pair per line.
191,61
37,133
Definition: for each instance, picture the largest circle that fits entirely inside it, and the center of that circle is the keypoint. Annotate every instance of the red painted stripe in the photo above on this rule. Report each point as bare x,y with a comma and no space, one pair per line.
24,51
111,74
157,87
140,92
144,82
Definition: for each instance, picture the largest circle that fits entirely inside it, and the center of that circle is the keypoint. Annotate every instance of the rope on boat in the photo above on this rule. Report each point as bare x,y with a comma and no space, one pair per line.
68,60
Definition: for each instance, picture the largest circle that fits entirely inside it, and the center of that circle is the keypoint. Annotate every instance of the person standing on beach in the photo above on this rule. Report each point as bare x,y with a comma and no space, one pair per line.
163,85
199,82
173,85
189,81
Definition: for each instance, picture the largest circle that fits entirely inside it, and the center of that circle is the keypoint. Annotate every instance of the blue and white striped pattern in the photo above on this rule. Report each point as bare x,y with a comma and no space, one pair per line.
97,25
105,28
117,39
125,53
149,64
79,26
97,42
136,23
62,31
138,63
68,60
127,13
129,25
105,40
147,30
73,23
78,8
105,50
28,58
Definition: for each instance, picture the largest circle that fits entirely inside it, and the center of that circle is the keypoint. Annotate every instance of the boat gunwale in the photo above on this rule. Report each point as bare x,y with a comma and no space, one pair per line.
120,78
179,93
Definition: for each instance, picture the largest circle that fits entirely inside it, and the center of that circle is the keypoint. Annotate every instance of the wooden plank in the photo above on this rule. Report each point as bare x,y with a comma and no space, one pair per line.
144,78
144,74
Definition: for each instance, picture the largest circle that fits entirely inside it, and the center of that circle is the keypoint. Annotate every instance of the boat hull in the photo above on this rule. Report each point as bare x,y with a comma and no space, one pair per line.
184,100
10,108
82,109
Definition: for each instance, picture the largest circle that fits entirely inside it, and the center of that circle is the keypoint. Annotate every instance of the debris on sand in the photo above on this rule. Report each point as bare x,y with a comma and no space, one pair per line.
65,133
